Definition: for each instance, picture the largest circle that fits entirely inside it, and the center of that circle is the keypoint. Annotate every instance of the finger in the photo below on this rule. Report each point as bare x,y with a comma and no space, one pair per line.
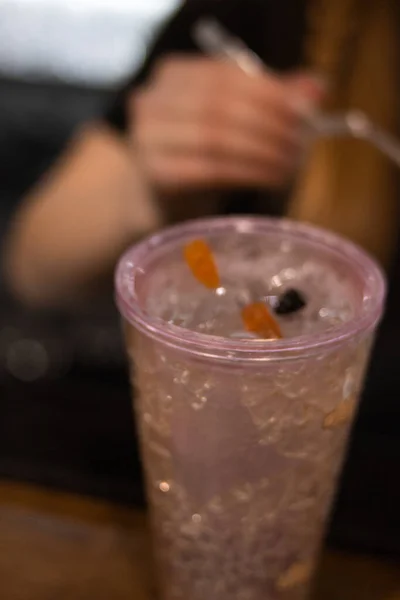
269,93
216,79
225,143
266,125
166,116
267,121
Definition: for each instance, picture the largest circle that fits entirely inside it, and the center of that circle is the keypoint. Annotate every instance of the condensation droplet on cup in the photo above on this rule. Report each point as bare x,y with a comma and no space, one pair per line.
325,313
196,519
164,487
183,378
200,403
349,385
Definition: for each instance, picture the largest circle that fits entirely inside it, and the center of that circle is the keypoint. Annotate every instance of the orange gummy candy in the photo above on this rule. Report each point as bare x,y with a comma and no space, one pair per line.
258,319
200,259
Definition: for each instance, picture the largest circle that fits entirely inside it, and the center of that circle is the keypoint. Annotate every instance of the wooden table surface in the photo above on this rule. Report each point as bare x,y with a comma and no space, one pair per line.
60,547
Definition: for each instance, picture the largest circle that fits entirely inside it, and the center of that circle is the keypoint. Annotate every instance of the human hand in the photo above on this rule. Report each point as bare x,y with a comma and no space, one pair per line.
202,123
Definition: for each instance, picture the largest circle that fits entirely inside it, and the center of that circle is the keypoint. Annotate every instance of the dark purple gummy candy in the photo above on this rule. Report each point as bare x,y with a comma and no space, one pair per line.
290,302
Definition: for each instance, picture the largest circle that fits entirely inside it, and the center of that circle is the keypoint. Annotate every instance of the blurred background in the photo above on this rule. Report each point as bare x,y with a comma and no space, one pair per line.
65,414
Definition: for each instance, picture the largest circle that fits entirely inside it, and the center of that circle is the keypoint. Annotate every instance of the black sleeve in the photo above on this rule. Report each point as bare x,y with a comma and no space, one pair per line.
274,30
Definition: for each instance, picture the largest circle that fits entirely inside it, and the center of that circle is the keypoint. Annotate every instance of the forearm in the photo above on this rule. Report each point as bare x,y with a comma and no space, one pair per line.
66,238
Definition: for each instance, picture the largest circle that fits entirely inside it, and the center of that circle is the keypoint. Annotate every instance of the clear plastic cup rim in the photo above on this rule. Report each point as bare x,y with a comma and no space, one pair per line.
206,346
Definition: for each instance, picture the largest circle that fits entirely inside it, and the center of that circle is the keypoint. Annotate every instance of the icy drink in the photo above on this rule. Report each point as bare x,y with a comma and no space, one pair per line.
243,437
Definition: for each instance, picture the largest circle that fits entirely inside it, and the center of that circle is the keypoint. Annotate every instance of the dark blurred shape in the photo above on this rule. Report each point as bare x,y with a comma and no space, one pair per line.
65,411
367,512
